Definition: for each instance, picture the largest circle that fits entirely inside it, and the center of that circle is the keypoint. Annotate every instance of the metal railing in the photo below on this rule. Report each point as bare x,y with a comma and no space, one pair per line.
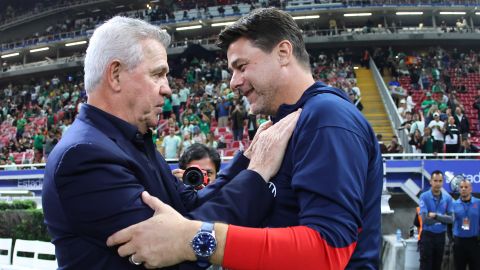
45,11
391,108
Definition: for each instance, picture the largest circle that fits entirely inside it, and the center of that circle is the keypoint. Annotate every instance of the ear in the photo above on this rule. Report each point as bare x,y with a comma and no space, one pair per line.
284,51
113,75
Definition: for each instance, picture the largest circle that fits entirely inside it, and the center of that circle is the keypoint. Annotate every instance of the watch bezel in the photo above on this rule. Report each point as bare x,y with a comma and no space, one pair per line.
212,244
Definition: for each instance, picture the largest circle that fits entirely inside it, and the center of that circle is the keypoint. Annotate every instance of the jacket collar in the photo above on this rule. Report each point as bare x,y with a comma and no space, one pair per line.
313,90
109,124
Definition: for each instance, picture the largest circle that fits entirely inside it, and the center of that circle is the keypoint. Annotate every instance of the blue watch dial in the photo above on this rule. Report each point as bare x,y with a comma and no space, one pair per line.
204,244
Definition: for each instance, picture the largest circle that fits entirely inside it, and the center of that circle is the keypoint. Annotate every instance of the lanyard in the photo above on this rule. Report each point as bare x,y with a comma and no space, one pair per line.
466,207
437,202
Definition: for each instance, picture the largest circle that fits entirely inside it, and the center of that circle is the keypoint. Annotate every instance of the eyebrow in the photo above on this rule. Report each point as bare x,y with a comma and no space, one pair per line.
160,69
235,63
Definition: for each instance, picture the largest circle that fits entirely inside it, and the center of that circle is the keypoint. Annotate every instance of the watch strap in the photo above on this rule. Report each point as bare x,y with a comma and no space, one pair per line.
205,227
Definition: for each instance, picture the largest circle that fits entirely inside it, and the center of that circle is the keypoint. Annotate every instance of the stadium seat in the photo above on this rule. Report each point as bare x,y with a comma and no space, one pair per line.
32,254
5,251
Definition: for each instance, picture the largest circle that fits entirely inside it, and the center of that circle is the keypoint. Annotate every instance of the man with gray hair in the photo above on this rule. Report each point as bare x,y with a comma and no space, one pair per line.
97,172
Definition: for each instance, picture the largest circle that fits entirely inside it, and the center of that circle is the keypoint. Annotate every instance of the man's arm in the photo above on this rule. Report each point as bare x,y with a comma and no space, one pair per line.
98,193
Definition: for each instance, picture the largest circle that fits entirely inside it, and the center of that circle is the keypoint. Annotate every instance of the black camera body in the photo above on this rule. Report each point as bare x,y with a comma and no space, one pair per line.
194,176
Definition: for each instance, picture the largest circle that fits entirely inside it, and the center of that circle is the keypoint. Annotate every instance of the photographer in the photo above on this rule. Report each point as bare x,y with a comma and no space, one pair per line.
207,159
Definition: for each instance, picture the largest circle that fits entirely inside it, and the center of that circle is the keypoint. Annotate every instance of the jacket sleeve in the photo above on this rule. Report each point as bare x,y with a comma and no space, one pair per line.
305,248
99,195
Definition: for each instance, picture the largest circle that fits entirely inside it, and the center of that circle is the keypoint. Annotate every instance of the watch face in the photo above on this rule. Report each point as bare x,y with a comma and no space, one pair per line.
204,244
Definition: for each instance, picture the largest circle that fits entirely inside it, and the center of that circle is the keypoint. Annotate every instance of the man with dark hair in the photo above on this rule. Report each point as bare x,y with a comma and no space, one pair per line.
326,215
436,209
466,228
200,155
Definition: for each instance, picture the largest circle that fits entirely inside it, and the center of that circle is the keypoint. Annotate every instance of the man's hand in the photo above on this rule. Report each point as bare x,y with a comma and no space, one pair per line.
160,241
432,214
178,173
269,144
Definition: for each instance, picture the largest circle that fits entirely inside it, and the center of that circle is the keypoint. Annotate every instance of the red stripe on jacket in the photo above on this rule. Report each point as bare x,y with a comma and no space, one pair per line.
298,247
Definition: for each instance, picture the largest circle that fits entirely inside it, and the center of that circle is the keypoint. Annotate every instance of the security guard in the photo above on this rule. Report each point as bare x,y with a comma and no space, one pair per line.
466,229
436,209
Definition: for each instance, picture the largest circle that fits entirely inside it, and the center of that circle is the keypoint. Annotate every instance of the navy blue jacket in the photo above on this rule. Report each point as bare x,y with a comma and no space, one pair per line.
331,176
93,183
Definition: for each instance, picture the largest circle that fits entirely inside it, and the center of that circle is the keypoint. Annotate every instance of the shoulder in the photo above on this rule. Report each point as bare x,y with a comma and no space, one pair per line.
425,195
331,111
81,143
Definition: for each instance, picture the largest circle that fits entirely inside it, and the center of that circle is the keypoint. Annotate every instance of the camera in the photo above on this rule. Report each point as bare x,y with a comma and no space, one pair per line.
194,176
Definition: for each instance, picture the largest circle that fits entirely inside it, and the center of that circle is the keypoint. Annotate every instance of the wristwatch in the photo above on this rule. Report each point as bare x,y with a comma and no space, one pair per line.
204,244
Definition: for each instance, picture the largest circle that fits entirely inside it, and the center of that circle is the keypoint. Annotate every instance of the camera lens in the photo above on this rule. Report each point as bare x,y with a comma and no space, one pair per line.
193,177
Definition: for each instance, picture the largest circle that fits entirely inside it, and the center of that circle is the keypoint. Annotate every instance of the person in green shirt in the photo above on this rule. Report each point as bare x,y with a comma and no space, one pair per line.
38,141
437,87
167,108
204,124
427,103
427,141
21,122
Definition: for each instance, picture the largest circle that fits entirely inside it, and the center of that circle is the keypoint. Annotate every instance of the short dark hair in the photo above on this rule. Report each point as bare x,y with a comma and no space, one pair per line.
265,28
199,151
437,172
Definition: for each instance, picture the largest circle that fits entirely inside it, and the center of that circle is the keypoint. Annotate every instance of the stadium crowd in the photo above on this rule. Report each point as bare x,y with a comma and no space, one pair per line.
437,93
202,109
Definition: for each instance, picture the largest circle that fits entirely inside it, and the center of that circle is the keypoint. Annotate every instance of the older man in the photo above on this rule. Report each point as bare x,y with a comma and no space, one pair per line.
95,175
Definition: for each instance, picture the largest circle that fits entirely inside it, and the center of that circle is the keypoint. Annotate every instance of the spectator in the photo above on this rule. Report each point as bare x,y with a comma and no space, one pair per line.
10,166
198,136
438,131
452,136
407,124
394,147
427,141
355,101
410,103
223,108
416,141
167,108
251,125
171,145
462,122
175,103
467,147
238,117
183,96
186,142
211,142
476,106
418,123
427,103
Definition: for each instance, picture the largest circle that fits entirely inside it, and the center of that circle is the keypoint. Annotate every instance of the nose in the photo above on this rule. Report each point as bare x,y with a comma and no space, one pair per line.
165,89
236,80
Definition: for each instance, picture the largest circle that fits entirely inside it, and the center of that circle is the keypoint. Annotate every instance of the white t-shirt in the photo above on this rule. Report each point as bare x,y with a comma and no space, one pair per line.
183,94
170,145
436,127
175,100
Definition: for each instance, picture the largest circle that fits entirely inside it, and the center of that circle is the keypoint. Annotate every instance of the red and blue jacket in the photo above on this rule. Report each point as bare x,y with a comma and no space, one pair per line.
326,213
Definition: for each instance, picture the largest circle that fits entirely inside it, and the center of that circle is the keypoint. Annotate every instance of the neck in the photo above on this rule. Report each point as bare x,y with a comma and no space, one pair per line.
112,104
436,193
466,198
292,90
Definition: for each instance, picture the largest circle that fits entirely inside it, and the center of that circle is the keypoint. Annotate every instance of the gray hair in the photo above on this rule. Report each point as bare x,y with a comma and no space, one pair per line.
118,39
